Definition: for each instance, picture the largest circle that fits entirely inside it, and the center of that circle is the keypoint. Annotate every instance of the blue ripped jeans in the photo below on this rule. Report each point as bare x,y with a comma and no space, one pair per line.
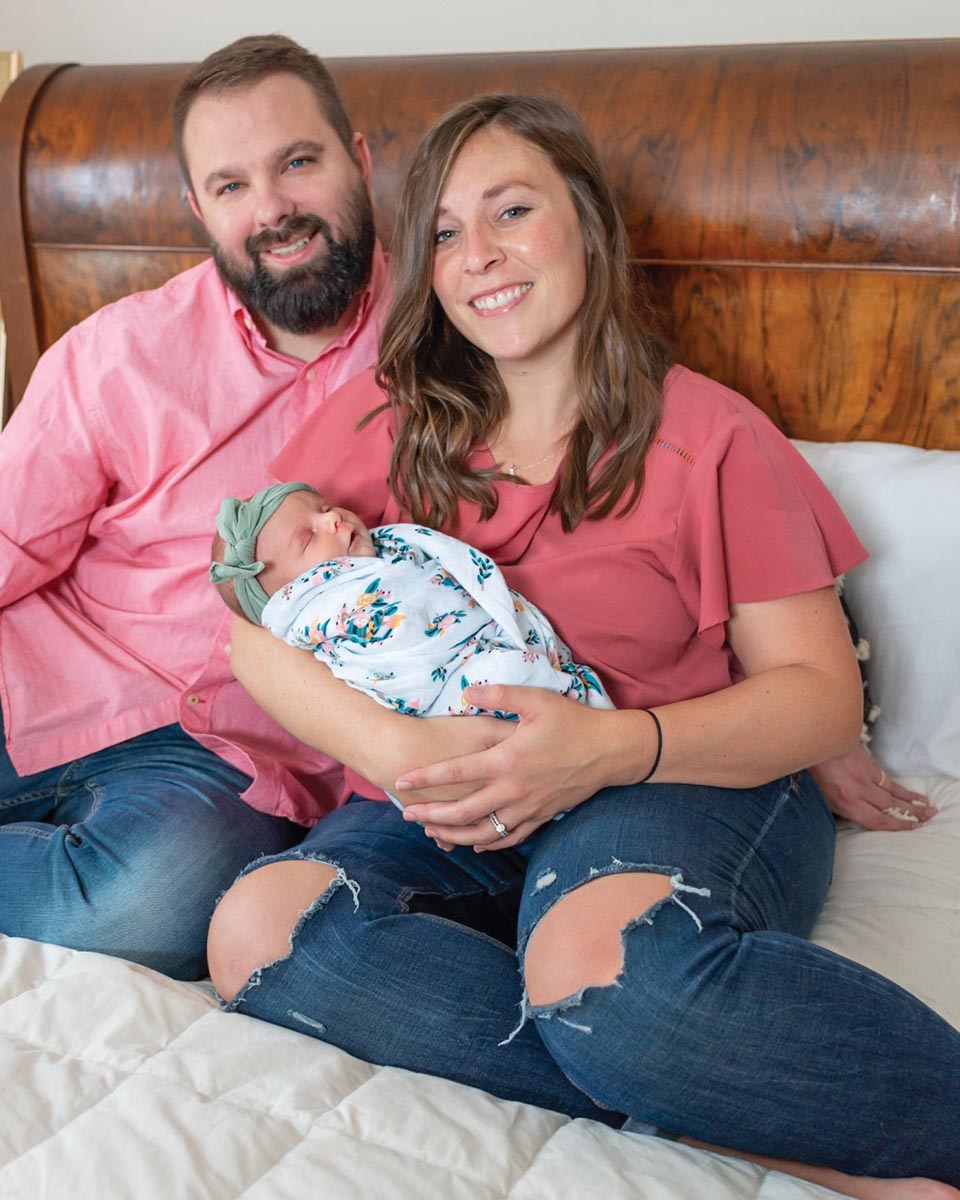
725,1024
126,851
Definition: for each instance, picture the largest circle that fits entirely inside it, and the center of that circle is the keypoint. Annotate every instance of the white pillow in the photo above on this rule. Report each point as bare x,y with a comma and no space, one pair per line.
904,504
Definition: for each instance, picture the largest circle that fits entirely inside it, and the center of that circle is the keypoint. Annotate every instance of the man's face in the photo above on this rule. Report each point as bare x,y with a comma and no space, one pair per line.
285,204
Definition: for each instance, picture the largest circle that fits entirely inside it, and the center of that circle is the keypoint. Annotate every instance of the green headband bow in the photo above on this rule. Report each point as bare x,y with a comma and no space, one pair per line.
239,523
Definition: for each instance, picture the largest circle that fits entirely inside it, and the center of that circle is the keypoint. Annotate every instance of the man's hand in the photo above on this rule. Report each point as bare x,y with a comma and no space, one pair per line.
856,788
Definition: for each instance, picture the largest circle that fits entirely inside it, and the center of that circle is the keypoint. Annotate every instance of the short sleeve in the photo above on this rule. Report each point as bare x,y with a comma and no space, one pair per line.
756,523
348,465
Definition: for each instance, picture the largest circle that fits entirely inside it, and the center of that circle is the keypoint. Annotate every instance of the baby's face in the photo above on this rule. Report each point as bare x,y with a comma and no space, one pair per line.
304,531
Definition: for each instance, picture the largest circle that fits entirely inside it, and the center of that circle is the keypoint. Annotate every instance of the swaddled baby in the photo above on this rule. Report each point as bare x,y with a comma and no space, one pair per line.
406,614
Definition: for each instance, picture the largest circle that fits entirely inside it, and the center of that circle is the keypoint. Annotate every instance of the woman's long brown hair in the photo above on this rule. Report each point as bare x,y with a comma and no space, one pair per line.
447,394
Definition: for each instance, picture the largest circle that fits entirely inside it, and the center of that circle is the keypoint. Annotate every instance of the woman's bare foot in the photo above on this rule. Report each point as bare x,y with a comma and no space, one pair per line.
865,1187
860,1187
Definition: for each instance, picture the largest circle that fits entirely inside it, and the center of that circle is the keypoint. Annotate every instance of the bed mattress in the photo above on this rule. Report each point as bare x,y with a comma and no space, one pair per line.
122,1083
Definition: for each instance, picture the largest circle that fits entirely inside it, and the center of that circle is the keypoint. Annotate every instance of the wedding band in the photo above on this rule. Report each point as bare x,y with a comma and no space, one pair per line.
498,825
882,781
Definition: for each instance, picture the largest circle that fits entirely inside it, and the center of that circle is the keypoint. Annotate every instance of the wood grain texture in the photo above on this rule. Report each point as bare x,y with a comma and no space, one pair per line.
829,355
836,153
19,298
796,206
99,165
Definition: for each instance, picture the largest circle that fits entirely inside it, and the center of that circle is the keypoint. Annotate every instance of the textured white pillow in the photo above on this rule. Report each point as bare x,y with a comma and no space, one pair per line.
905,505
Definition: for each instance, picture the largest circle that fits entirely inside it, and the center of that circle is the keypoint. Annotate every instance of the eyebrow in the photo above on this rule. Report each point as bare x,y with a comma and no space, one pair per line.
491,193
301,146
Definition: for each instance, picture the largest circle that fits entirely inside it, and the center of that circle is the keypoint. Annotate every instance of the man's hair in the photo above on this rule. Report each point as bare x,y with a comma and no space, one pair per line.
226,589
447,394
248,61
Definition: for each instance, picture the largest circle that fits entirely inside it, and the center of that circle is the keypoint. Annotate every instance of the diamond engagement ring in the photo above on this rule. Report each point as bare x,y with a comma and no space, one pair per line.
498,825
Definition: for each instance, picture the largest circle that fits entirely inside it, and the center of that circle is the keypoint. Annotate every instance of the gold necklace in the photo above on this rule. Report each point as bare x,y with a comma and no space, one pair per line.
518,468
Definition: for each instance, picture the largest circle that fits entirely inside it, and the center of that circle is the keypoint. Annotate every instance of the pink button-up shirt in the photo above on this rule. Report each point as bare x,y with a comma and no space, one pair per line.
135,425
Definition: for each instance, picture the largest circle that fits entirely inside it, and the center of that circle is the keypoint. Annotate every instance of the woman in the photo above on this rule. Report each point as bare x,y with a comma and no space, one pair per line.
679,544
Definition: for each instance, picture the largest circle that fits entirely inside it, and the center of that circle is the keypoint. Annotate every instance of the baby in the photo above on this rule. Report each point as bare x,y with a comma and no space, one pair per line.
406,614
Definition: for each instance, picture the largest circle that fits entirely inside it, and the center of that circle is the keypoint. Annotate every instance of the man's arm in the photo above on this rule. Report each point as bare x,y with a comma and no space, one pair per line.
53,477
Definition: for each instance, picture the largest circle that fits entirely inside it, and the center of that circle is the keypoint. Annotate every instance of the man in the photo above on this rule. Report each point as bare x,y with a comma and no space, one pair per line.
128,744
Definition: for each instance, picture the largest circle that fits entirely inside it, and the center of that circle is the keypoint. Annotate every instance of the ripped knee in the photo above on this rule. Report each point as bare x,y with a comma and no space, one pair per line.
255,921
578,943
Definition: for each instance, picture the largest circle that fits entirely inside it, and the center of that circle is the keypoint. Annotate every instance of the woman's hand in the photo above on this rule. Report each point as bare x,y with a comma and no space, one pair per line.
560,754
855,787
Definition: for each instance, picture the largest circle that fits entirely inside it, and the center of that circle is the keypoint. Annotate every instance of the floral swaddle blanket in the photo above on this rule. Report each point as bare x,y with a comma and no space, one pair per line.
425,618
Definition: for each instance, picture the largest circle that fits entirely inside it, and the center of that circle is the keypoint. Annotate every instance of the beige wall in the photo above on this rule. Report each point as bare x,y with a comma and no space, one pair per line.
184,30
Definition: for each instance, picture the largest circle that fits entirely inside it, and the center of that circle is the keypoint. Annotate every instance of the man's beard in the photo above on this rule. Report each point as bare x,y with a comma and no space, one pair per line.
313,296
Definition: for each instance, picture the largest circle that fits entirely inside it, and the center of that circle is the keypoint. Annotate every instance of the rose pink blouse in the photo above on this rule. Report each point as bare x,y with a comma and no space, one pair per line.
730,513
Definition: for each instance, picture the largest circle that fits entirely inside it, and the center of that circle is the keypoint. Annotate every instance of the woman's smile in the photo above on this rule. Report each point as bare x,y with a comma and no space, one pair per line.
502,300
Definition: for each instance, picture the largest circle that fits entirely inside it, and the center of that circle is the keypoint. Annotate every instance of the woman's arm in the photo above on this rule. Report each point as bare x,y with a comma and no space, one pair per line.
799,705
303,696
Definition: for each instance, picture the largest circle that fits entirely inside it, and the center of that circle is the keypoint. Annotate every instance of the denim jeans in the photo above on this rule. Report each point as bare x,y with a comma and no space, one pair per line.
126,851
725,1023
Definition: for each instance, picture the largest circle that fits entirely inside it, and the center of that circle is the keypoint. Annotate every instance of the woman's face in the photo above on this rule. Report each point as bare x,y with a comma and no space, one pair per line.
509,265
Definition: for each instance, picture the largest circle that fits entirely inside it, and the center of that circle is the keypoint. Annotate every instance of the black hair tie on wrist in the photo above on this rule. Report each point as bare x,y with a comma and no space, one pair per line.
656,757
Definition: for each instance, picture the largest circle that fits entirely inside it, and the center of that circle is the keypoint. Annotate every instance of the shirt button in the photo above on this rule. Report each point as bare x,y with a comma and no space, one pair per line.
193,699
311,374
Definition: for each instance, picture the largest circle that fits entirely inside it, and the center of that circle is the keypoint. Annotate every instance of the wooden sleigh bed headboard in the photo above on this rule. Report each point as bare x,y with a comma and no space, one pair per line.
797,208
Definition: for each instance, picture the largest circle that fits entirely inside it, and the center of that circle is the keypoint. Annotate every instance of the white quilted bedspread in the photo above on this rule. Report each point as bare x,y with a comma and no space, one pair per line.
119,1083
